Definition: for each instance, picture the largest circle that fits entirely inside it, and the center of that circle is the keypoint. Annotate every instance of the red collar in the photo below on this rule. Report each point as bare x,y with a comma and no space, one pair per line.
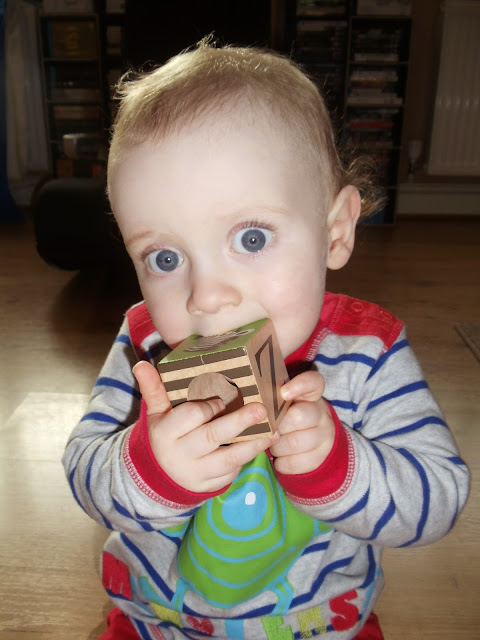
300,359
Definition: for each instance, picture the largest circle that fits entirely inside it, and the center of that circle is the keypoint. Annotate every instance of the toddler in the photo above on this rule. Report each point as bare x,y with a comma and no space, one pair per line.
232,202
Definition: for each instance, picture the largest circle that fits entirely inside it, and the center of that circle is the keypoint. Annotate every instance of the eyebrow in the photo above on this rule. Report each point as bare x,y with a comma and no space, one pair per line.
261,207
136,238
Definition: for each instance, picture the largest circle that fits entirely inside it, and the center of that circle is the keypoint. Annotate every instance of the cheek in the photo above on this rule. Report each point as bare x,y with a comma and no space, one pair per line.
300,299
168,324
294,301
299,279
295,310
164,309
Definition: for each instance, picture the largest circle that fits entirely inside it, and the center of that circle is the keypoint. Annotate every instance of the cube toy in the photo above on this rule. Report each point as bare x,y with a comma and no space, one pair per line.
239,367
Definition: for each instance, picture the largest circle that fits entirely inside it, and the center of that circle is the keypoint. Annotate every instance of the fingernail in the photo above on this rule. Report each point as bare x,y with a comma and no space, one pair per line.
258,411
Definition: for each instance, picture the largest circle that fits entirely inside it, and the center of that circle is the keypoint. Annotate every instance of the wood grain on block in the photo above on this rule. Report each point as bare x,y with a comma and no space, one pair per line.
241,366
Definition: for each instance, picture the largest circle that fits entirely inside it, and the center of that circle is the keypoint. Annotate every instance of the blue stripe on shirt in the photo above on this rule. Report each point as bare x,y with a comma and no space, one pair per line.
426,495
372,568
398,346
412,427
71,482
345,357
113,383
380,458
330,568
88,485
386,516
122,511
141,629
353,510
318,546
124,339
97,416
153,574
398,393
343,404
116,596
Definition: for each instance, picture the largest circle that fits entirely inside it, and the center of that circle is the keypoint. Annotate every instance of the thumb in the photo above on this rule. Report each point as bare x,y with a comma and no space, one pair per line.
151,388
308,387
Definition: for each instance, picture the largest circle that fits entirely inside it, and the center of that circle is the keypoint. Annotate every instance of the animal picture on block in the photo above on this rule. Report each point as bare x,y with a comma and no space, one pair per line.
241,366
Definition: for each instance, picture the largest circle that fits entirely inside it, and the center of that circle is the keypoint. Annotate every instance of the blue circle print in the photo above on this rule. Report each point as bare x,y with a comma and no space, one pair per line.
245,508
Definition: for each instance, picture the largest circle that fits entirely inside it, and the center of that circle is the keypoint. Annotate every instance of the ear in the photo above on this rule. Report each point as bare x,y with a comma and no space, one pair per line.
341,223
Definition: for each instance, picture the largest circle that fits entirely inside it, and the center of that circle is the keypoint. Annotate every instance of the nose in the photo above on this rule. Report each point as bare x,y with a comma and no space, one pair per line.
210,292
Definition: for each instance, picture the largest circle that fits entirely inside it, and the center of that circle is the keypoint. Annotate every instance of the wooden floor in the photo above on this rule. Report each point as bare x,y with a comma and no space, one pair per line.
56,328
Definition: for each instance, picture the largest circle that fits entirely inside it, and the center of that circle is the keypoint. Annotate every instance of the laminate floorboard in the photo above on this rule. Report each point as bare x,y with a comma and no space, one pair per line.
56,329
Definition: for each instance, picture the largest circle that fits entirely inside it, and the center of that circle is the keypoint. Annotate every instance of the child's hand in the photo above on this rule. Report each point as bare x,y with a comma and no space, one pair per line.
186,440
307,431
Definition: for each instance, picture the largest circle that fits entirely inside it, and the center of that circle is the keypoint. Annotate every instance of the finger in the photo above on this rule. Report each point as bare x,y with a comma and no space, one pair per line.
152,388
297,442
299,463
306,386
224,464
186,418
302,415
225,428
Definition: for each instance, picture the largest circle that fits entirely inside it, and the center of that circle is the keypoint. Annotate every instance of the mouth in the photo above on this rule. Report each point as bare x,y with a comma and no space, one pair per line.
228,327
203,336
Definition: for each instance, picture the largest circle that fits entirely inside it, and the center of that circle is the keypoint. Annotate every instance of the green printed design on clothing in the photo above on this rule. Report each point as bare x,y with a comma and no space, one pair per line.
244,542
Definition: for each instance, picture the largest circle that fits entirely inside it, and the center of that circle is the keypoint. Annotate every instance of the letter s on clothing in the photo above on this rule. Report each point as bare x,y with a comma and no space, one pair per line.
348,612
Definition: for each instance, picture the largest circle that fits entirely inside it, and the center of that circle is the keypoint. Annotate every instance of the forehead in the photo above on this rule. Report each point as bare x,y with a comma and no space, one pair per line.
221,166
235,144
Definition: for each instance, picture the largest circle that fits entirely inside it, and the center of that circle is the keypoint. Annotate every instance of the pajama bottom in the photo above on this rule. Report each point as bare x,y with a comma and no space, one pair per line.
120,628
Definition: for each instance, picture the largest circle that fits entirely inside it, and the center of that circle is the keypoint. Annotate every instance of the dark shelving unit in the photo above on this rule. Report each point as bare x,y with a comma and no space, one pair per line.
73,81
82,54
374,103
360,62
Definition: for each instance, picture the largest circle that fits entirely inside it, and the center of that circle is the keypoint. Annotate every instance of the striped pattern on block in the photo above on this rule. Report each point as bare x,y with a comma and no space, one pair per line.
238,356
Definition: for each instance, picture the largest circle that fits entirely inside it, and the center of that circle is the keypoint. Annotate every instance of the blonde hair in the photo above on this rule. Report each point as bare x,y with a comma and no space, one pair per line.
207,80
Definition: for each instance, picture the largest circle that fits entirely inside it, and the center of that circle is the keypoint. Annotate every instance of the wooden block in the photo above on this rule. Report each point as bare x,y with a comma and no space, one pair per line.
239,367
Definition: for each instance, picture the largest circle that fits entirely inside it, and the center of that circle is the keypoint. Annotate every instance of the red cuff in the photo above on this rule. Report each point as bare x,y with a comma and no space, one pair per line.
150,476
329,477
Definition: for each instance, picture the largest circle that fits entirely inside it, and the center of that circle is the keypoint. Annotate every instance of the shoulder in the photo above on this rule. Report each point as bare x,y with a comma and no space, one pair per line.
346,316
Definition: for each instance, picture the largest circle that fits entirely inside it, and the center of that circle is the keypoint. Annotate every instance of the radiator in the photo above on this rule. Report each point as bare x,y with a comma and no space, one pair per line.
455,135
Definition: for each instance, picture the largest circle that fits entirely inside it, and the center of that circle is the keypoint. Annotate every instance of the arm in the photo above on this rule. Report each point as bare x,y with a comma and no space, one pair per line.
106,487
404,482
137,464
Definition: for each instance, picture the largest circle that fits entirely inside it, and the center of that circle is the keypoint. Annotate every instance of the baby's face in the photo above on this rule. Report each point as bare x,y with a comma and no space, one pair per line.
224,227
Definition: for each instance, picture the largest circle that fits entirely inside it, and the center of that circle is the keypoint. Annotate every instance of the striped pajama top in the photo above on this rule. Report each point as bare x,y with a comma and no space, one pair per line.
271,556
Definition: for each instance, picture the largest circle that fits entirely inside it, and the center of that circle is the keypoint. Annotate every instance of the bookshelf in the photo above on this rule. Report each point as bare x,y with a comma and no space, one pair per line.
375,86
114,54
358,53
81,51
320,46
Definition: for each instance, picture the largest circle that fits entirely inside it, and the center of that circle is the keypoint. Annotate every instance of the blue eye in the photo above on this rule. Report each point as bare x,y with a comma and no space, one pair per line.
251,240
164,260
